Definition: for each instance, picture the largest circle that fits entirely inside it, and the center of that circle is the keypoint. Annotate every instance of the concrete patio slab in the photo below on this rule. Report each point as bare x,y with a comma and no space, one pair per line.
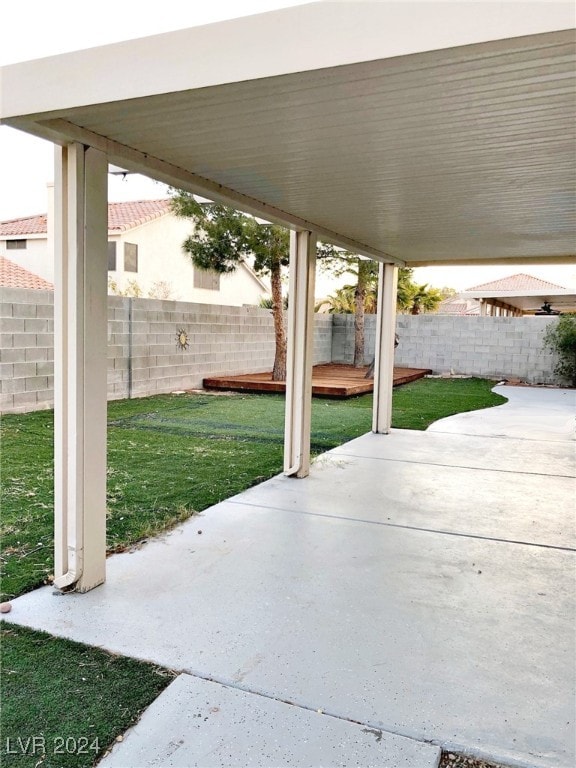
533,413
418,583
197,723
495,504
453,449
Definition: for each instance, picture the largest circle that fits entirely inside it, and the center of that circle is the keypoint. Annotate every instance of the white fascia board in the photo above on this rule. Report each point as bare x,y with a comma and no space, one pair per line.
502,295
506,261
299,39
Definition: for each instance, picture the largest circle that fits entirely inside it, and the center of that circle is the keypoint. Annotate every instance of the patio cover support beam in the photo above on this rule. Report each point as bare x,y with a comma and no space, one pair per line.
384,358
80,326
62,131
300,354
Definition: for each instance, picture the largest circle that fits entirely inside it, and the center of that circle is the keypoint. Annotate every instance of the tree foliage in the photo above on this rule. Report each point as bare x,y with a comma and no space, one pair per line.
416,299
343,300
224,238
410,298
358,298
560,338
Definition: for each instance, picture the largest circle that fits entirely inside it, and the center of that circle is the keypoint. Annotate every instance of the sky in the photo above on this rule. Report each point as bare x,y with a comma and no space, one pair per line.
26,163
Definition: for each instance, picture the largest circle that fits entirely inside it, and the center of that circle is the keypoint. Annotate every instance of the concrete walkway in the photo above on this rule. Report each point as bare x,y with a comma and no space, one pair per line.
531,413
416,589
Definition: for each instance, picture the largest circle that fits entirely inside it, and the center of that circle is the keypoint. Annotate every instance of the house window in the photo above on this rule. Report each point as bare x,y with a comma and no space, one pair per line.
130,257
207,279
15,245
111,257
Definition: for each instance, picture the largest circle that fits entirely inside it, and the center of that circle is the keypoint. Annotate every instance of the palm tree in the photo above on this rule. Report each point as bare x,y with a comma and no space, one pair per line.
425,299
413,298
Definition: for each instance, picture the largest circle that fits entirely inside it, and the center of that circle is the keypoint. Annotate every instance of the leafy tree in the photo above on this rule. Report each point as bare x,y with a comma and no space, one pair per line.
560,337
225,238
343,301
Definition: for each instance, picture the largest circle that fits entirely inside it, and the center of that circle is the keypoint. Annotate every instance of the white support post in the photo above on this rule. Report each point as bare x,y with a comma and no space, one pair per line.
300,354
80,336
384,356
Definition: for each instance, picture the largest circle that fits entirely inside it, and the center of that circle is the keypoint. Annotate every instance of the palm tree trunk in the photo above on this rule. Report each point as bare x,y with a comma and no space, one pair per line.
279,369
359,300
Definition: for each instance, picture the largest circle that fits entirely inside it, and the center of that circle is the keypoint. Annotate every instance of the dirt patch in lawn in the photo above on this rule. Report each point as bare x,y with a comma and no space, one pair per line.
453,760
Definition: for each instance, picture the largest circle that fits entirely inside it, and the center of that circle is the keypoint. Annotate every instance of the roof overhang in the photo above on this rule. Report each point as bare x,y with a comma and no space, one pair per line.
421,133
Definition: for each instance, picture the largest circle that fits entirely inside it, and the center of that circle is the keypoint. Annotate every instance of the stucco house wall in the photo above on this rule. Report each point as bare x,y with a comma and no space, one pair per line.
166,271
34,257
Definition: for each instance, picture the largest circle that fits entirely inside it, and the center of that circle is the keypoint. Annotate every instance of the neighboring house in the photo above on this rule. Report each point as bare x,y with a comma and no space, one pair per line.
456,305
14,276
513,296
25,243
144,255
520,295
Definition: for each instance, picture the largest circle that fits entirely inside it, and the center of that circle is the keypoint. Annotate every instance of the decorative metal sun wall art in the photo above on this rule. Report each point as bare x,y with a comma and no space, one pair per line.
182,339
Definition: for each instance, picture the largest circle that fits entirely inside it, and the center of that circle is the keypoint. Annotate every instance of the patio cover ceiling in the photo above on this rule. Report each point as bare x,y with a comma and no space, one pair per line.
423,133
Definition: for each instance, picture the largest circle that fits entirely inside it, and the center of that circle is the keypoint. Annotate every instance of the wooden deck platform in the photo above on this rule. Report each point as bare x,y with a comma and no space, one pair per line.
329,380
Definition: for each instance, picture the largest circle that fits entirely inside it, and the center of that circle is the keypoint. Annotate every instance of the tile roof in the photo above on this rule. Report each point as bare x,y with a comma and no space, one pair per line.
454,305
514,283
452,308
29,225
14,276
121,217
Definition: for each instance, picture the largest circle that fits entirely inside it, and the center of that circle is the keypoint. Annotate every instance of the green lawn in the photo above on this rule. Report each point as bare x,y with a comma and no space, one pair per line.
65,702
171,455
168,456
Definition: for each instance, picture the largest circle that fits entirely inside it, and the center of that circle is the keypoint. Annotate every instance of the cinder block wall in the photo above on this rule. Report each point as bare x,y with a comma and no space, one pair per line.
26,350
499,347
143,356
343,338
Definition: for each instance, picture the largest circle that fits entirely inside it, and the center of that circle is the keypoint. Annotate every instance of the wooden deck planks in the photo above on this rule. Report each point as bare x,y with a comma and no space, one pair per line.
328,380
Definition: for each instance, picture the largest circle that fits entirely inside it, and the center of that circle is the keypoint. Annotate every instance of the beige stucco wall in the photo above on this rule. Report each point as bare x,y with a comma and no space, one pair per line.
163,264
34,257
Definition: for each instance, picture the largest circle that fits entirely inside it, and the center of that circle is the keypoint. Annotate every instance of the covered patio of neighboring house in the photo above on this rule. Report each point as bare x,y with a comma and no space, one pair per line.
520,295
463,155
